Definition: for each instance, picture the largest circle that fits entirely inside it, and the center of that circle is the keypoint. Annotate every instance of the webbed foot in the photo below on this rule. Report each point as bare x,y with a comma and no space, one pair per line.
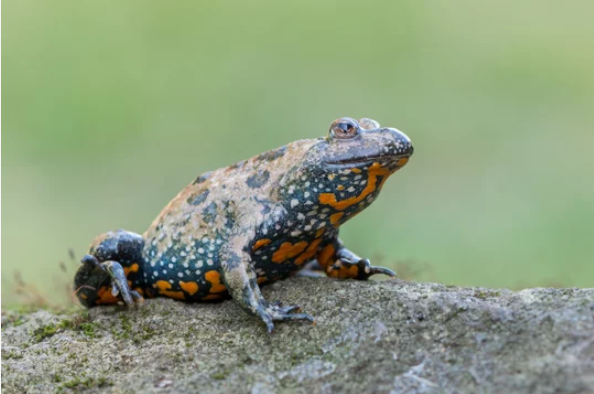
276,312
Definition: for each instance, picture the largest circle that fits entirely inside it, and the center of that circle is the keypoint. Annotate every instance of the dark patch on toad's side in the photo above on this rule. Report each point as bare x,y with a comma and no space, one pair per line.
202,178
272,155
210,212
198,199
259,179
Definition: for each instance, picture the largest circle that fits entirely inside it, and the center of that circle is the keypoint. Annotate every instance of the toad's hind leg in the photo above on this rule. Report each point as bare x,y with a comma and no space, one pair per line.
108,273
112,271
240,278
121,245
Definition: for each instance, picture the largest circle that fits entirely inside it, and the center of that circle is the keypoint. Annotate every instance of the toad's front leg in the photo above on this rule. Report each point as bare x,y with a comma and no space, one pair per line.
239,276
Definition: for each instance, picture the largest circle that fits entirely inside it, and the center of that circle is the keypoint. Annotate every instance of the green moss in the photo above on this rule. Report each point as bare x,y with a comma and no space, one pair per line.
219,375
12,355
126,324
43,332
125,331
13,320
80,323
88,382
480,294
128,331
145,334
484,294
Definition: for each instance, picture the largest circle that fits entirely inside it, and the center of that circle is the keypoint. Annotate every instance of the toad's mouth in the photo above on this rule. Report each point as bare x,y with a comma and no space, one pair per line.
365,160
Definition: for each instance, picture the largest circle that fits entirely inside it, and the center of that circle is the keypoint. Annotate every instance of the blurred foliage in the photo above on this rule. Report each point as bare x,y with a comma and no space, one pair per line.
110,108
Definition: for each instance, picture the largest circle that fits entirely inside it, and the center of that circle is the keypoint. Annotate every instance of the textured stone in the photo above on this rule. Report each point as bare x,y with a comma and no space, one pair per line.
385,337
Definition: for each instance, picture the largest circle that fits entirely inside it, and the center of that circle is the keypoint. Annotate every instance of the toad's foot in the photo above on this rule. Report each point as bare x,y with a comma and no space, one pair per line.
339,262
276,312
119,282
360,269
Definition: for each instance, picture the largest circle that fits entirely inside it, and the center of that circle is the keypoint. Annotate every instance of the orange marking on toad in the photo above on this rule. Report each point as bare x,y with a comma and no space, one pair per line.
343,272
402,162
287,250
215,280
335,218
309,252
325,255
261,242
105,296
133,268
327,198
165,289
374,172
189,287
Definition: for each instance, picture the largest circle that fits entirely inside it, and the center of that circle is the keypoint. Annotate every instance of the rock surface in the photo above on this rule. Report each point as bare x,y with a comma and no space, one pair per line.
385,337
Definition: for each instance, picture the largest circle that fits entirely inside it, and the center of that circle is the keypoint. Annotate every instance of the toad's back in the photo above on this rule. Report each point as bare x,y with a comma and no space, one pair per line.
183,243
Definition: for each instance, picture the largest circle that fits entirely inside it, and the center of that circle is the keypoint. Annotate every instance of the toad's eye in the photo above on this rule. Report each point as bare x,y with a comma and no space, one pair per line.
344,128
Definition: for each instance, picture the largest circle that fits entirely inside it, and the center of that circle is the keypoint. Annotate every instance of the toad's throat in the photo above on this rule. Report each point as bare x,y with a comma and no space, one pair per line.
377,175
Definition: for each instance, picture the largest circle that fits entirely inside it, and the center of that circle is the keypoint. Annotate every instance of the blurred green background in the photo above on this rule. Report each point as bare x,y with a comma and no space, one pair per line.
110,108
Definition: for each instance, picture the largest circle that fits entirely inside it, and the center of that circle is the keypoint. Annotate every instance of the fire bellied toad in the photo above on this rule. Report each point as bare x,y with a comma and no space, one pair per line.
253,222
